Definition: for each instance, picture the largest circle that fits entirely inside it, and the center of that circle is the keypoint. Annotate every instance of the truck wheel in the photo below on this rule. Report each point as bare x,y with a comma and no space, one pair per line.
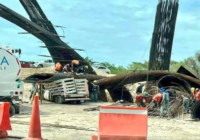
78,102
56,99
40,66
17,108
60,99
12,110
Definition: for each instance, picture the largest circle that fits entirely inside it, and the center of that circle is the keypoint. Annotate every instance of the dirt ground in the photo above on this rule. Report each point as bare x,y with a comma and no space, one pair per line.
70,122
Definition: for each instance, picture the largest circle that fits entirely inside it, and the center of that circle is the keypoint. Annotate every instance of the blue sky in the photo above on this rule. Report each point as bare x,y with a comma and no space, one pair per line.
116,31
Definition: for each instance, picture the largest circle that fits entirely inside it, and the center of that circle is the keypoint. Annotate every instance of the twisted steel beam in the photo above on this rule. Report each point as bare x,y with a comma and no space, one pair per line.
163,34
63,55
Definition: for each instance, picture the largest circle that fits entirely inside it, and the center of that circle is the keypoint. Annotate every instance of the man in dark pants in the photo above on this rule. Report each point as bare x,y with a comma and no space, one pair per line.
95,91
186,103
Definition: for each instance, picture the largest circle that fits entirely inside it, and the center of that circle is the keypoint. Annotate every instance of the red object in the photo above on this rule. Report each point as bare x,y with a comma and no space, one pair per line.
197,96
25,64
139,98
58,66
158,97
122,123
4,119
35,128
195,92
17,61
19,72
3,134
9,52
94,137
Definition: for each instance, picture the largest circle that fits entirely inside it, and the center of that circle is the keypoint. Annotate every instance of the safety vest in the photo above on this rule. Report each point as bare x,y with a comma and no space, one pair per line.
58,66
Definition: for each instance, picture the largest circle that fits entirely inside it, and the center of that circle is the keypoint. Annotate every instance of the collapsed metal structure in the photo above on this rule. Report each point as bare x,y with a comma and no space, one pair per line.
124,79
51,77
163,34
42,28
160,54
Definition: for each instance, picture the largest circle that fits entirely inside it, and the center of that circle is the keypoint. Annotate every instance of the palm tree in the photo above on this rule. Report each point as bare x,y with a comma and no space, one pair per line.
89,60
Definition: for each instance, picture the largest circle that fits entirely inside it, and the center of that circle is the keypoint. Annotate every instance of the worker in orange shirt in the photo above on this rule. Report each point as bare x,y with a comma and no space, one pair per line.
197,95
157,99
58,67
195,92
74,65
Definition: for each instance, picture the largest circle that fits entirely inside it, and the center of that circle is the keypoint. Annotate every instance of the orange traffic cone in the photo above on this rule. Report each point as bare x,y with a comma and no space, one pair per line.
4,119
35,128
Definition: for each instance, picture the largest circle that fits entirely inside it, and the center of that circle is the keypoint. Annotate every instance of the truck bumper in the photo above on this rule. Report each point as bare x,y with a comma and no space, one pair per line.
77,99
16,102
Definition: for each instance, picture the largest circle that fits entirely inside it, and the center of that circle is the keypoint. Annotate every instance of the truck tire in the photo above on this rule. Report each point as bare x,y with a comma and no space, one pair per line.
56,99
60,99
40,66
17,108
78,102
12,110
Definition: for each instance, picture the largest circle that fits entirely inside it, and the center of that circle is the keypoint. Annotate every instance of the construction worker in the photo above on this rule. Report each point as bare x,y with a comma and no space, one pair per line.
197,94
157,99
82,69
58,67
74,65
95,91
67,68
186,103
192,90
141,99
165,103
32,90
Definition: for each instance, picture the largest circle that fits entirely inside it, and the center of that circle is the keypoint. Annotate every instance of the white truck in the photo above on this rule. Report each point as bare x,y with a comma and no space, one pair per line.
68,89
11,87
44,64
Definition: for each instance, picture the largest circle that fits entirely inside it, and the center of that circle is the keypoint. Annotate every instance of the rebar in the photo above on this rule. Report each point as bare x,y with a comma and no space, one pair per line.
163,34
